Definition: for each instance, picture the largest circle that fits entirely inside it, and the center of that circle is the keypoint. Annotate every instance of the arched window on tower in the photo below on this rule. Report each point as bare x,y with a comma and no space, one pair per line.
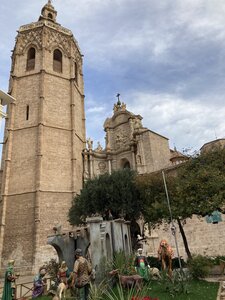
31,59
76,72
57,61
50,16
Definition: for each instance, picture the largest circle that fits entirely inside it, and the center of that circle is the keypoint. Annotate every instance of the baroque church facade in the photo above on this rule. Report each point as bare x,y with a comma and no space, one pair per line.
46,157
129,145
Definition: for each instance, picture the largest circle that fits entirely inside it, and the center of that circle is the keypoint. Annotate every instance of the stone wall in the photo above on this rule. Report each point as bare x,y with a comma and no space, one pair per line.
203,238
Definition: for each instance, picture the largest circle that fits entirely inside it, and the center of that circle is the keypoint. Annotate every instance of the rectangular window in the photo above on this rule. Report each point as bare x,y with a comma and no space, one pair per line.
27,112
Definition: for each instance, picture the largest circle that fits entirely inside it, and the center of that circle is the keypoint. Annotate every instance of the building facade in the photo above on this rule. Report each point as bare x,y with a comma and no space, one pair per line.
44,137
129,145
46,156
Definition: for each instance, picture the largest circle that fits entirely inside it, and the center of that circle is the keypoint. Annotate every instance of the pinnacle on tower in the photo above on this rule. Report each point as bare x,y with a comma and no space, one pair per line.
48,12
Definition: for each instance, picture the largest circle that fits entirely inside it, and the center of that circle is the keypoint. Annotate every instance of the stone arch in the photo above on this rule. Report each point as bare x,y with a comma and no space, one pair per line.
124,163
50,16
57,60
58,251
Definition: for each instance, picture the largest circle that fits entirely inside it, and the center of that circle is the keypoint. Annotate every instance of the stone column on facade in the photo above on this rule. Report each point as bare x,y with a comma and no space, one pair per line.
131,123
6,175
91,164
109,165
107,140
83,119
39,167
86,168
133,158
73,129
140,157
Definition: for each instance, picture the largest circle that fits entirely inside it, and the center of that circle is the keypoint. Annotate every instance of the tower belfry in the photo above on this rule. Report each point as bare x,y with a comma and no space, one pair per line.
43,142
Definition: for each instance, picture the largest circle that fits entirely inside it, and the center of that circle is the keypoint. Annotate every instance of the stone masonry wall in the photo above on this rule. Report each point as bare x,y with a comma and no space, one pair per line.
203,238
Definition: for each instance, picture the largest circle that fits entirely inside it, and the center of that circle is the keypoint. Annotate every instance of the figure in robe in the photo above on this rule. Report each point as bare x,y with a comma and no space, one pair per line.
9,284
39,283
63,273
141,265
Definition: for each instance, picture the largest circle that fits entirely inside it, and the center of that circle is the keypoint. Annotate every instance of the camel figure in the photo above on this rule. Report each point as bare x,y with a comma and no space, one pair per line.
165,254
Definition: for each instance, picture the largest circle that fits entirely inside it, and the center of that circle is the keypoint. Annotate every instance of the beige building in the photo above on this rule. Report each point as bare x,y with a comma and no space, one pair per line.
42,162
129,145
45,159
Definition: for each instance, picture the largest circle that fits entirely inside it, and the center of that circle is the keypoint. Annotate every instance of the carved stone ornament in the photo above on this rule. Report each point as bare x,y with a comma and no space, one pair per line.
137,124
33,37
121,139
89,144
102,167
99,147
56,39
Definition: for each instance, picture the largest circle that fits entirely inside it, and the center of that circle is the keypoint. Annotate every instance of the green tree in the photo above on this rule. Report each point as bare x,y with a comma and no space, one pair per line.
195,187
116,193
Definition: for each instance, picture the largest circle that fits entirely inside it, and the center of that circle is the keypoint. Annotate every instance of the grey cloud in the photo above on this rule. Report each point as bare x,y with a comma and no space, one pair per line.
167,55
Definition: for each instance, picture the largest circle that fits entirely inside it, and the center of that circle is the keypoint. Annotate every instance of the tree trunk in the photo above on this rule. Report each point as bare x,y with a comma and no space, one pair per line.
184,239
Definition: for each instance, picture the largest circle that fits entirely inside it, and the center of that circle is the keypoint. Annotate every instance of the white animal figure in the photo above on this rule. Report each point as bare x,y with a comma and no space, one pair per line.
154,272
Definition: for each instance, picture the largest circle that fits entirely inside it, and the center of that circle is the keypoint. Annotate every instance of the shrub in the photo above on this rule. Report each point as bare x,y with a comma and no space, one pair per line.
52,268
125,263
199,266
105,266
176,285
216,259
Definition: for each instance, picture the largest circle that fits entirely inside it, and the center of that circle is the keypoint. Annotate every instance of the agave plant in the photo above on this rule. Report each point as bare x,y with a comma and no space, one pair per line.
120,294
124,263
97,292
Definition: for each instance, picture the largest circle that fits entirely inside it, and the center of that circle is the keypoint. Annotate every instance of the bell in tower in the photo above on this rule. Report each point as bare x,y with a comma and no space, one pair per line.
44,138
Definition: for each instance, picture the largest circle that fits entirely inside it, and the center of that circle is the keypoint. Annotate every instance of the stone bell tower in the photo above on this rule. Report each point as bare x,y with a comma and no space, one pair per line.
44,137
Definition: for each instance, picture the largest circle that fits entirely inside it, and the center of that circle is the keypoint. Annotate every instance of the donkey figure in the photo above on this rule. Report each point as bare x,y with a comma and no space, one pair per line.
128,281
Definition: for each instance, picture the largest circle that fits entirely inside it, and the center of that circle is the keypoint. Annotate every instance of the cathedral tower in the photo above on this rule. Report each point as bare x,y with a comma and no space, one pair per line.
44,137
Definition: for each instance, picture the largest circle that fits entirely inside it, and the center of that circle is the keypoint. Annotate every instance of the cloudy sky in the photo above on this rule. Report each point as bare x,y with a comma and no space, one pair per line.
166,58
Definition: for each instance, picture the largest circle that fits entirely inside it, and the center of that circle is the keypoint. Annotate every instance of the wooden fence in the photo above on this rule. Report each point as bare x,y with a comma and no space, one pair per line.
25,289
